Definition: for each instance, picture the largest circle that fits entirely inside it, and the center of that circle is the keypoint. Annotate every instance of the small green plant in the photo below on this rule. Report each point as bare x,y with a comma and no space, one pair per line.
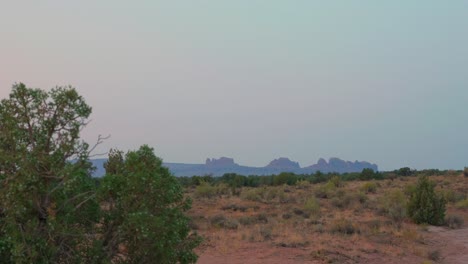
369,187
425,205
205,190
393,204
336,181
312,206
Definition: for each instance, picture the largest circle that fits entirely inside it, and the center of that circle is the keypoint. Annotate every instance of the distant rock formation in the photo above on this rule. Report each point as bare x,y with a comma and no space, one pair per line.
340,166
218,167
283,163
221,162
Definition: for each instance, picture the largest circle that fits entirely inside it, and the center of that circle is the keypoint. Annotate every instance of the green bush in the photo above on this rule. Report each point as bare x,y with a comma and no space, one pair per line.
254,194
425,205
285,178
393,204
312,206
205,190
146,212
369,187
336,181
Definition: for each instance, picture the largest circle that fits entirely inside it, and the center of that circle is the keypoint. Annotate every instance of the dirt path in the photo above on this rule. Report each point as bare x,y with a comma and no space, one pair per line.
452,244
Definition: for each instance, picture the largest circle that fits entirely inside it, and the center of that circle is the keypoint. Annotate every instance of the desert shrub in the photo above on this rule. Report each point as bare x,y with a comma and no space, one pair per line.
409,189
451,196
465,172
223,222
285,178
368,174
341,201
253,194
425,205
374,225
360,197
406,171
393,204
454,221
434,255
286,216
463,204
234,207
266,232
336,181
146,205
247,220
312,206
369,187
205,190
262,218
343,226
303,184
326,191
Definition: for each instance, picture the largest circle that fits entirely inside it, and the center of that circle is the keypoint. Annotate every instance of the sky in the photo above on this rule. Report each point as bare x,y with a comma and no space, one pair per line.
381,81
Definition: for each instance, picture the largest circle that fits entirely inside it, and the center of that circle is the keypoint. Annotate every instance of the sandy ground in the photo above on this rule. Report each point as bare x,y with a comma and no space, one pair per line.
452,247
452,244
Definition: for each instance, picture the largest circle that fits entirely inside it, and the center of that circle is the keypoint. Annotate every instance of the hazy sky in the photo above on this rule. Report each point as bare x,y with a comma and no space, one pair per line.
382,81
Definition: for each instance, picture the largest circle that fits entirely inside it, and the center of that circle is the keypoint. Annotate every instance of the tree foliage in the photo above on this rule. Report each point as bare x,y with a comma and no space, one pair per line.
145,214
51,210
425,206
47,202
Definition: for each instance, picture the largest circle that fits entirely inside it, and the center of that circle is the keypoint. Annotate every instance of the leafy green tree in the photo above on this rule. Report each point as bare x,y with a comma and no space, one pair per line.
47,203
405,171
424,205
145,215
288,178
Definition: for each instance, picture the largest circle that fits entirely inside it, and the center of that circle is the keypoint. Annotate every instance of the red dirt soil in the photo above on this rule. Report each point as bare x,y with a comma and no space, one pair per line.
451,244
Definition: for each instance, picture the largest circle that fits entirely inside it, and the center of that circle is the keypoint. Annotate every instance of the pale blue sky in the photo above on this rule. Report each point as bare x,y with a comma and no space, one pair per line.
255,80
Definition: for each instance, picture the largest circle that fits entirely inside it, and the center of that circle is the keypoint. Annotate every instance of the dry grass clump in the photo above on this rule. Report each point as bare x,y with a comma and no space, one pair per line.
312,206
393,205
463,204
206,190
454,221
344,226
369,187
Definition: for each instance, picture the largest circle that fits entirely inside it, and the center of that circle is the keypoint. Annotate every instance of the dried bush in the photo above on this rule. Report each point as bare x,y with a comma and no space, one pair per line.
393,204
343,226
454,221
223,222
369,187
312,206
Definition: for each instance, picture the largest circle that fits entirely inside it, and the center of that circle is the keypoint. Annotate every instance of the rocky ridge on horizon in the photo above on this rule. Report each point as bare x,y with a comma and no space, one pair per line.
218,167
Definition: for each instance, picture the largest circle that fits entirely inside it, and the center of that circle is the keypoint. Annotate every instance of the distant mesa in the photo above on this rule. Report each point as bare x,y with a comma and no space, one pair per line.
221,162
283,163
218,167
340,166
